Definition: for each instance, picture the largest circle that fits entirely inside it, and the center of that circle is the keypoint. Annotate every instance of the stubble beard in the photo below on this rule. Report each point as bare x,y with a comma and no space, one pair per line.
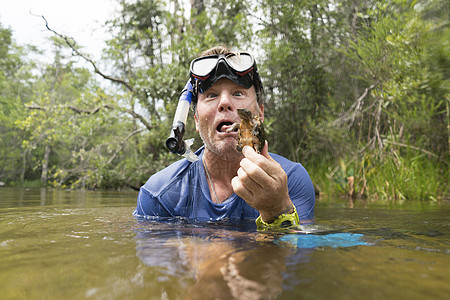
222,148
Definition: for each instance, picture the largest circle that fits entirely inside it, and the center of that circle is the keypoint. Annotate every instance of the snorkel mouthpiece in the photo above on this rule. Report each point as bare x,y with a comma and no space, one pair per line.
175,141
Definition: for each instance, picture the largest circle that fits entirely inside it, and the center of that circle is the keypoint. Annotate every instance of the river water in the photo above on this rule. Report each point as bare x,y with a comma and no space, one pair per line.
86,245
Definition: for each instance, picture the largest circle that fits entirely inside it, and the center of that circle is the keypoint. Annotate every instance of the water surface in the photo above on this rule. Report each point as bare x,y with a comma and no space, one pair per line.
87,245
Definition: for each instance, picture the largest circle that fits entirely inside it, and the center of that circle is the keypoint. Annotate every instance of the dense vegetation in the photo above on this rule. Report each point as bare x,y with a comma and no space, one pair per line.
357,91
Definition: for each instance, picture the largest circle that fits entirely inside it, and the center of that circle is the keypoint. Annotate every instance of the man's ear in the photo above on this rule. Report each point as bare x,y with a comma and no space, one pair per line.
196,122
261,112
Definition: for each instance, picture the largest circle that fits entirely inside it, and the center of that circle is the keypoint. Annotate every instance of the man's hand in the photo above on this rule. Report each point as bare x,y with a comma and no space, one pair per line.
262,183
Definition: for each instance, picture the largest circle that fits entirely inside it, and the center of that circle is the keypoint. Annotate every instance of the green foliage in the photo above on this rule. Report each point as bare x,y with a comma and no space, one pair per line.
395,177
303,76
14,86
357,91
407,107
407,177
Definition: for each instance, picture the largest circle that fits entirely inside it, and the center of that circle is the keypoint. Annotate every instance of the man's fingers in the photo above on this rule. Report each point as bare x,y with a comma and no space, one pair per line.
247,180
240,189
255,172
265,151
263,161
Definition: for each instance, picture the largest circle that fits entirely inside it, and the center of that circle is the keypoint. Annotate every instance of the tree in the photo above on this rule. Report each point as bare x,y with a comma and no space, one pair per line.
404,116
298,40
15,78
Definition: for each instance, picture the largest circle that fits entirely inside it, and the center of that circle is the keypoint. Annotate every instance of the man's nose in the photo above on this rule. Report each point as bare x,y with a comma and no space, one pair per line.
225,102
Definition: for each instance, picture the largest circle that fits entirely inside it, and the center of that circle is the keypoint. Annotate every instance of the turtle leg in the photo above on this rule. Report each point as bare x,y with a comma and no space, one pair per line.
233,127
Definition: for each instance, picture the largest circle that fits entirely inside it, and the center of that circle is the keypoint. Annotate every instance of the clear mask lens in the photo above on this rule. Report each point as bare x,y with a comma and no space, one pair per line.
203,67
241,62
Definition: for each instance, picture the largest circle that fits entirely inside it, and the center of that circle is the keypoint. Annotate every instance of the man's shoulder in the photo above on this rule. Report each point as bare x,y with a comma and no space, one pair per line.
286,163
177,172
301,188
167,176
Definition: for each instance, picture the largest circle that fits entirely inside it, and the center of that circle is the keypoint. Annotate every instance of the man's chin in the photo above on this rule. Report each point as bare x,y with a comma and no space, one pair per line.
225,149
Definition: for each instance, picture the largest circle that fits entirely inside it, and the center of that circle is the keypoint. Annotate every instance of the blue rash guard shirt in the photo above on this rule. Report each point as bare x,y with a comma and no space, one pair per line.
181,190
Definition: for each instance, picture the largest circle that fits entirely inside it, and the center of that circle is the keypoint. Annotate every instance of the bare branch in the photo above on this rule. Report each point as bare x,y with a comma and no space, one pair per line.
89,112
71,43
415,148
128,111
122,144
139,117
93,111
34,106
354,109
377,125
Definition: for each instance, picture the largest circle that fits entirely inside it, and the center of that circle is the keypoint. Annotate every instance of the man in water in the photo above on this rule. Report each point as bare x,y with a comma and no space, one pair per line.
226,183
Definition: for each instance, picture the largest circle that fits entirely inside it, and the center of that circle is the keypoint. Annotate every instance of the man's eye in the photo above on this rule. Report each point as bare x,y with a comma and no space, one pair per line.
238,94
211,95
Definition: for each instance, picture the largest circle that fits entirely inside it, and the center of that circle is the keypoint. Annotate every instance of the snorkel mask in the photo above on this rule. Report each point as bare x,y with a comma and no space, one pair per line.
204,72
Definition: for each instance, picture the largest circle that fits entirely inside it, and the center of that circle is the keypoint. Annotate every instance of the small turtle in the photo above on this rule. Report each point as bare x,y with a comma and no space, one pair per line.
250,131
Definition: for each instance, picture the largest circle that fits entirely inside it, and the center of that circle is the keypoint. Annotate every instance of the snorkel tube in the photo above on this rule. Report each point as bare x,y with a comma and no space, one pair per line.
175,142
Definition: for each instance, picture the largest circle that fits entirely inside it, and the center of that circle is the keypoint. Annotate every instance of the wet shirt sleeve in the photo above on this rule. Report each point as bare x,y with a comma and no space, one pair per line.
149,205
301,191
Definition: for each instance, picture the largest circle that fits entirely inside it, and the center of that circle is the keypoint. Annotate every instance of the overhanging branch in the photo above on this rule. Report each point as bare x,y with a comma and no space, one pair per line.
34,106
122,144
417,149
93,111
71,43
89,112
354,109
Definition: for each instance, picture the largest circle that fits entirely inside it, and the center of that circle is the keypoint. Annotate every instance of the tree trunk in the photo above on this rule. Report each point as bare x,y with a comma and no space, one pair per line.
24,166
197,7
45,165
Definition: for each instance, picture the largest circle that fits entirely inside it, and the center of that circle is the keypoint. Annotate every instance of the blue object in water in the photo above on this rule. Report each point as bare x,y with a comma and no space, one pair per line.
333,240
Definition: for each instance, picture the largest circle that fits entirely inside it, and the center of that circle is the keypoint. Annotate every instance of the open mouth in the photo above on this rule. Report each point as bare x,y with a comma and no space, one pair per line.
224,126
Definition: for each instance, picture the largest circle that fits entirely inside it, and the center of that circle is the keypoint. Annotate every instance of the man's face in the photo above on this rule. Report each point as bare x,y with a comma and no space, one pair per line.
217,110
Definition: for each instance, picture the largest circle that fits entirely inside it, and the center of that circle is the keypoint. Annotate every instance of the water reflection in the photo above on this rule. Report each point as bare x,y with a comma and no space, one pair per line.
225,271
225,264
231,263
43,196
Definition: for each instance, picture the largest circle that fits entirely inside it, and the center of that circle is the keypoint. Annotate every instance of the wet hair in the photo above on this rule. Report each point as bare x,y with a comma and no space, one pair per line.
223,50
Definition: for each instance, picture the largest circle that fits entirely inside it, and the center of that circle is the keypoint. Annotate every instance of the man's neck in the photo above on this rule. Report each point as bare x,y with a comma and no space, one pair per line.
221,171
220,168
